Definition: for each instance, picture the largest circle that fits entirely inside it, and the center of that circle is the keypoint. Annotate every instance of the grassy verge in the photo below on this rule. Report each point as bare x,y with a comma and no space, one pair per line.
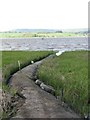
29,35
0,59
0,68
10,66
68,74
10,60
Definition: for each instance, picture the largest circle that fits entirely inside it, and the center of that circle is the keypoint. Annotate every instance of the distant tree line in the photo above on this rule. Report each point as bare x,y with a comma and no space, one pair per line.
59,31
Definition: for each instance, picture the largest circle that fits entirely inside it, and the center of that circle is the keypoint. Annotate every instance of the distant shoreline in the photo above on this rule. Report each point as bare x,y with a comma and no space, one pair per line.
41,35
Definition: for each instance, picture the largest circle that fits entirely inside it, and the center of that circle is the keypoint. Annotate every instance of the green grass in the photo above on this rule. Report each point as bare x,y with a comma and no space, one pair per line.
0,59
10,60
68,74
29,35
0,67
10,66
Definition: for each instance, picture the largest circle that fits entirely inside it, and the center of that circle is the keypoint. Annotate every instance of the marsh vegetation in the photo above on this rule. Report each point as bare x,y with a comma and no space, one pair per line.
68,74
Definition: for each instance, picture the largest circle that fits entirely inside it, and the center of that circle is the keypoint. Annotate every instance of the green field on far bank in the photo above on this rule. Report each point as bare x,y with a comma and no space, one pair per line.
30,35
68,74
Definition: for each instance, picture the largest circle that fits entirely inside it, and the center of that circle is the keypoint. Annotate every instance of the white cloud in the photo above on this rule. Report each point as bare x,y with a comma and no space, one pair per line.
43,14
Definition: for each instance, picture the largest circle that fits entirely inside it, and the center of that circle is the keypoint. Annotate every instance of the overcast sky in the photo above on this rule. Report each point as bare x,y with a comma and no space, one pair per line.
52,14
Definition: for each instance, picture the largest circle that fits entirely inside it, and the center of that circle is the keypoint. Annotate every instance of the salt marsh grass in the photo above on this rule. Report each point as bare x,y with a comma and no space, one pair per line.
10,60
68,74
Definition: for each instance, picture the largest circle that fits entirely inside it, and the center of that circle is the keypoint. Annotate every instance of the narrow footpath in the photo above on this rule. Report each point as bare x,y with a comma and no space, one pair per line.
35,102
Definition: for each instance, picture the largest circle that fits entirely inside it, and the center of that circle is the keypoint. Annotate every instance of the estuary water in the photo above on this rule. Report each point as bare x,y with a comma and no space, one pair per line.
39,44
